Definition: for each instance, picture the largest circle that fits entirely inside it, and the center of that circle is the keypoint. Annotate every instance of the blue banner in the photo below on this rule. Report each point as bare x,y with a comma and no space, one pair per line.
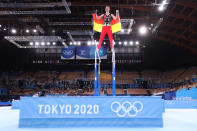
180,104
170,95
3,91
185,93
15,104
102,52
88,52
91,112
83,52
68,53
90,107
5,103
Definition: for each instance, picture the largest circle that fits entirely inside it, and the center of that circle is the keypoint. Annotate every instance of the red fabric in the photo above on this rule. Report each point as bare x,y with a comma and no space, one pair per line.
108,30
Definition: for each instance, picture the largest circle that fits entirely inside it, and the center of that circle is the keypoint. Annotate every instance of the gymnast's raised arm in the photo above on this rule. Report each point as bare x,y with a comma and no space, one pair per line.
99,17
117,14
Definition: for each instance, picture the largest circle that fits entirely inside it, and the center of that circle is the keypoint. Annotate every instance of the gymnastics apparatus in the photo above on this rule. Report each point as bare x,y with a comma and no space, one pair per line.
92,111
106,24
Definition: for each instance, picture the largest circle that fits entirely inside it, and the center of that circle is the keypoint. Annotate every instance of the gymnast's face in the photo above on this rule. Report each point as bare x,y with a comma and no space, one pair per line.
107,8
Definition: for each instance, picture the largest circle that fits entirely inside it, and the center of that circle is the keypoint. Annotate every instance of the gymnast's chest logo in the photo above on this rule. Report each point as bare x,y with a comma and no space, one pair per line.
123,109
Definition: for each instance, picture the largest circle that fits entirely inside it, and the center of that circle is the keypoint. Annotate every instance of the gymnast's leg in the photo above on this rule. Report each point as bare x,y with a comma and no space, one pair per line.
109,33
102,36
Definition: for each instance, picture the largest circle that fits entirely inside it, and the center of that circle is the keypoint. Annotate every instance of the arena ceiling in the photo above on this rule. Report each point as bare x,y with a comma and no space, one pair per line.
69,21
72,20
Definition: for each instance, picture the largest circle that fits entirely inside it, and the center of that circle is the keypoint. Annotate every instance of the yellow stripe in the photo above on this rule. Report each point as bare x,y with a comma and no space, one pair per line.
97,27
116,27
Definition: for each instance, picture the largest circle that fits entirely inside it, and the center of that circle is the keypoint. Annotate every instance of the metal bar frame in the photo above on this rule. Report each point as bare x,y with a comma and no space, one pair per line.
113,72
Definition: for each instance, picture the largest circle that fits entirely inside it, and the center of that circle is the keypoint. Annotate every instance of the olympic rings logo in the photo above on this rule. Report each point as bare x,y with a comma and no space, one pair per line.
127,108
67,52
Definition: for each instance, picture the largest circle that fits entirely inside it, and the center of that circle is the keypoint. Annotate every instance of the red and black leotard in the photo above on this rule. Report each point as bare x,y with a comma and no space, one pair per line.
106,29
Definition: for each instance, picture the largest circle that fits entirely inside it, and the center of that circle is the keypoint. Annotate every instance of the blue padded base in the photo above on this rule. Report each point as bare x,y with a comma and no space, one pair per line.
91,122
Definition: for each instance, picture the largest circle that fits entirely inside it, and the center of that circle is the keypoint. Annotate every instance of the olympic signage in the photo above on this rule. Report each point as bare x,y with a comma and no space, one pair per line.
181,104
68,53
90,108
127,108
192,93
88,52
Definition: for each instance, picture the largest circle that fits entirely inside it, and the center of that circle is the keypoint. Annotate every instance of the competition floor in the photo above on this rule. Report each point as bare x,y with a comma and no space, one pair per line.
174,120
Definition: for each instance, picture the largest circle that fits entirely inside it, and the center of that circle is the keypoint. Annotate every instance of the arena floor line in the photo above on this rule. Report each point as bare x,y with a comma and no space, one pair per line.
174,120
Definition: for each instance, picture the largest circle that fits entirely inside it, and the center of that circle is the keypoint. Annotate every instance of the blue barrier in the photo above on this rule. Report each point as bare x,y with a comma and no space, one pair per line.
91,111
169,95
5,103
15,104
169,104
182,104
3,91
192,93
58,95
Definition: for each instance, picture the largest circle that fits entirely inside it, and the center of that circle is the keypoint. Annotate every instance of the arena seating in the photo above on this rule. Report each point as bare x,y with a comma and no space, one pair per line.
151,74
169,76
126,77
70,76
53,82
188,74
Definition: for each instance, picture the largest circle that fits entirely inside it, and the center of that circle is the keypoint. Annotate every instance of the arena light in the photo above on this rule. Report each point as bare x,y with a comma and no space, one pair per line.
48,43
37,43
53,31
78,43
4,29
34,30
42,43
75,43
71,43
131,42
93,42
104,43
137,42
89,42
54,43
13,31
0,25
31,43
122,30
125,43
120,43
143,30
164,2
63,43
161,8
27,30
